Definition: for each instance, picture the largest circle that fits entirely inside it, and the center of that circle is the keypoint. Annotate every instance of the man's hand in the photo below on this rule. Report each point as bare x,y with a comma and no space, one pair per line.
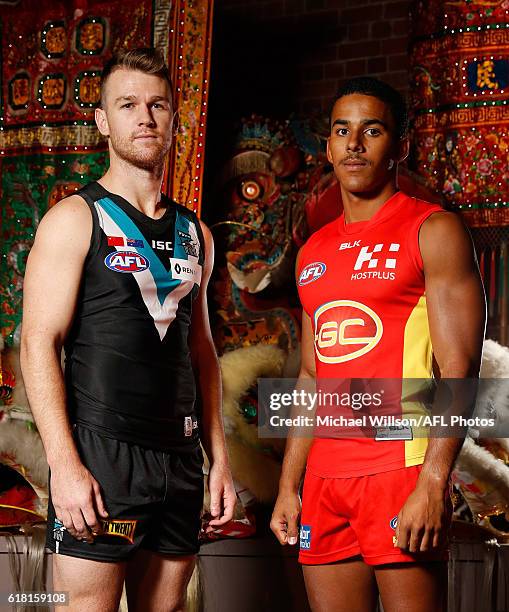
222,494
208,373
77,500
456,309
285,518
286,512
422,520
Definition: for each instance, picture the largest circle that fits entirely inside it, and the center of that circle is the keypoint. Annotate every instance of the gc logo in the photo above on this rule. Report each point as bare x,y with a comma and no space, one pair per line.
337,334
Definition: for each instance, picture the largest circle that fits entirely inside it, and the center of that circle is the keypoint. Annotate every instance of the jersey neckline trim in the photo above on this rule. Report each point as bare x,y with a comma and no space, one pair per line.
388,208
131,210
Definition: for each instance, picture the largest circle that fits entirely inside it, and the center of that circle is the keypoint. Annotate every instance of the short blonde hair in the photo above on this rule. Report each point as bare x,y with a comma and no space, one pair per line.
144,59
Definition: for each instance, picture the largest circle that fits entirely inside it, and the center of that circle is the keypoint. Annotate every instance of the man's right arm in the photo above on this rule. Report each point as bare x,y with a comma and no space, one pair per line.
51,287
286,513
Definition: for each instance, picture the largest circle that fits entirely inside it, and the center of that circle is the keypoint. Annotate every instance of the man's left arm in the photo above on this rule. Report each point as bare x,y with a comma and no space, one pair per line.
208,374
457,320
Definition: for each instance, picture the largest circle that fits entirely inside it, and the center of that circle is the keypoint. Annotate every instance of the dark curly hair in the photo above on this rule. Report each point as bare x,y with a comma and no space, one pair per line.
370,86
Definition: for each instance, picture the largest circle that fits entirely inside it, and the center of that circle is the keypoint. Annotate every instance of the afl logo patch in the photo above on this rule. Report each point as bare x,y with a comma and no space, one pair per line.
394,522
312,272
127,262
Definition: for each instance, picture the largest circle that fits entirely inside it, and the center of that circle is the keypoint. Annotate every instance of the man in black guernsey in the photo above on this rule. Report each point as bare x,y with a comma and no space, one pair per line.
118,276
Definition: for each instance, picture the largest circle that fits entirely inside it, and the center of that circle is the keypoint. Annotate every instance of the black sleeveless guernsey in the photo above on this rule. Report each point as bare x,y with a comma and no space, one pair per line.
128,364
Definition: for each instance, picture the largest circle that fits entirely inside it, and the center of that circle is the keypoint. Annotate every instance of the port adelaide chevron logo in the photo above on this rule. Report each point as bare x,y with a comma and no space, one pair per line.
312,272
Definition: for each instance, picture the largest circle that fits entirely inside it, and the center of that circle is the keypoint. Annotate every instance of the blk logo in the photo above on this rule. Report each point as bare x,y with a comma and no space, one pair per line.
312,272
349,245
366,256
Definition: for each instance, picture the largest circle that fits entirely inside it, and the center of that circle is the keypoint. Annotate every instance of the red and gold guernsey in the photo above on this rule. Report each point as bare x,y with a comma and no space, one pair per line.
362,285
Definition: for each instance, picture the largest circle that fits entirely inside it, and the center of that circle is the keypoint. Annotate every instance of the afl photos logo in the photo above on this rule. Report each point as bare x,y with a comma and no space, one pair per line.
126,261
345,330
312,272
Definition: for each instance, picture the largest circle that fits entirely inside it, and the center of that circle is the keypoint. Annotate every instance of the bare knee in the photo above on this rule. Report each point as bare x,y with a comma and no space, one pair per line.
347,586
158,583
413,587
170,603
91,585
176,606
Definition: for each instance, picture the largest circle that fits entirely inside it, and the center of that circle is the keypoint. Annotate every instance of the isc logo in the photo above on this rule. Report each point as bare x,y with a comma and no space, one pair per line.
126,261
162,245
345,330
312,272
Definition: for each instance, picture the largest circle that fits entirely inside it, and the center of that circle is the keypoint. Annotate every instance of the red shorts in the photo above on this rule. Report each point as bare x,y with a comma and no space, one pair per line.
347,517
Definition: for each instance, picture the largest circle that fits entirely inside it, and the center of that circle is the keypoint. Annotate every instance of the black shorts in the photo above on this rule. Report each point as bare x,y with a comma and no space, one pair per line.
153,498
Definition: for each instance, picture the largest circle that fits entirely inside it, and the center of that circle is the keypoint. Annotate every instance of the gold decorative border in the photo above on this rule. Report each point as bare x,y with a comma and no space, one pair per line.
462,117
189,48
67,137
486,217
162,16
477,42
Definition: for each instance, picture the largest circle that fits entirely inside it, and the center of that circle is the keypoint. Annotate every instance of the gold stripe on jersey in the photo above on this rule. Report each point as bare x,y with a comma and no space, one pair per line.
417,364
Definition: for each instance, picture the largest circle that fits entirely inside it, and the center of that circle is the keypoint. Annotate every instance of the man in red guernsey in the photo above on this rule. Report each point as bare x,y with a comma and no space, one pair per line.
389,290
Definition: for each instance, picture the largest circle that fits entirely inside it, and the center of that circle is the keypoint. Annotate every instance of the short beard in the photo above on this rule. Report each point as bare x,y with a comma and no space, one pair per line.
149,159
